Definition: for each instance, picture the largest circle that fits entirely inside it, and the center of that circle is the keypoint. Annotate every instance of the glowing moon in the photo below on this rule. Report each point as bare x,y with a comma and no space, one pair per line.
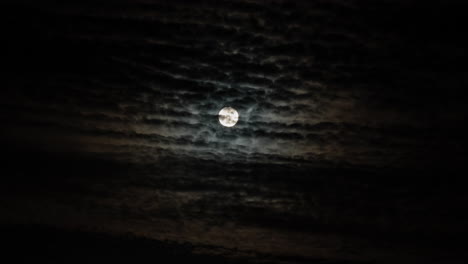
228,117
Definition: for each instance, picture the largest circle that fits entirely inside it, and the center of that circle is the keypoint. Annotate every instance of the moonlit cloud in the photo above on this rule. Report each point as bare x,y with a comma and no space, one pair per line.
295,85
114,108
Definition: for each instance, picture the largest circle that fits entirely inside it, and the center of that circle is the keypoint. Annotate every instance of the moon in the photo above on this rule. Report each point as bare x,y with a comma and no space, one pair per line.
228,116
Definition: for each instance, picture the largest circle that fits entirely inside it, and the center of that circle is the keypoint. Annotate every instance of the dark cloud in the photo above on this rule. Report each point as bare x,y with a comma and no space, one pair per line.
351,115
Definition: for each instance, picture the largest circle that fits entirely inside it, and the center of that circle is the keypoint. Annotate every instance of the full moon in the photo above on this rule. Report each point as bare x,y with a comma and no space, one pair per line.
228,117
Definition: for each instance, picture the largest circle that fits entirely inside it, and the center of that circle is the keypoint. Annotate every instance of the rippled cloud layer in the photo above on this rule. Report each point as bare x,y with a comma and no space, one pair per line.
311,81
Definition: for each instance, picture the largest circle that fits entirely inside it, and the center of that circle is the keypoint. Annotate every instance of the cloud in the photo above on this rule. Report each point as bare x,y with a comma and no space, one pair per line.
155,77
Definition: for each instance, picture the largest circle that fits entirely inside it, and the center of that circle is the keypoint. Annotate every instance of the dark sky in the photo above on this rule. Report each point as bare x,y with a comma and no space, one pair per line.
350,144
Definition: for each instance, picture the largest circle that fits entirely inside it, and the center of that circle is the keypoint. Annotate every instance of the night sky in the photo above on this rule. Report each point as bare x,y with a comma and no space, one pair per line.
350,145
